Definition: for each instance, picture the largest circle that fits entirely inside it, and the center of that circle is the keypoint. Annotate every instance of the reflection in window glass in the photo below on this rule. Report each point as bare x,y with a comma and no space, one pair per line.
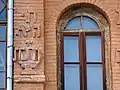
74,24
1,5
2,32
71,53
94,77
3,15
71,77
2,80
2,55
93,48
89,24
5,1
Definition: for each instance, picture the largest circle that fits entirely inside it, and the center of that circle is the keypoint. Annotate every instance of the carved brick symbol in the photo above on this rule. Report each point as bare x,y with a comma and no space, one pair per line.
117,55
22,55
36,31
29,51
29,28
31,31
28,57
29,43
31,17
118,14
23,31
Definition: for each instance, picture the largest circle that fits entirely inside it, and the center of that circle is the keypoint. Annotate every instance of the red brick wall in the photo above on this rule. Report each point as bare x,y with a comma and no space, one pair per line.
48,13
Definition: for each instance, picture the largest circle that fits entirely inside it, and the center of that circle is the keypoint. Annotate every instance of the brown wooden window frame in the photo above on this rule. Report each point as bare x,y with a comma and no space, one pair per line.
82,56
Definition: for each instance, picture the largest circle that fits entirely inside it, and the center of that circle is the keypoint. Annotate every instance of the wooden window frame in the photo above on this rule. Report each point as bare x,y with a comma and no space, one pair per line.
82,55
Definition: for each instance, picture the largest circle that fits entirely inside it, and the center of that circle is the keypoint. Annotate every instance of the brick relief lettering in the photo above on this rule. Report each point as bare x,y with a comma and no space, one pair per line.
36,31
30,27
118,14
29,51
118,17
28,31
117,55
31,15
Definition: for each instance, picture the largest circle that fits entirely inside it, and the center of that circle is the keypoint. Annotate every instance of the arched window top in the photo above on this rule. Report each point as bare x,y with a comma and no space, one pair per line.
82,19
82,22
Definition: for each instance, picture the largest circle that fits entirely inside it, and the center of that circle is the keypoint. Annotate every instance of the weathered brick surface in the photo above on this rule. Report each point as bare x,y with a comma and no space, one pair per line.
49,13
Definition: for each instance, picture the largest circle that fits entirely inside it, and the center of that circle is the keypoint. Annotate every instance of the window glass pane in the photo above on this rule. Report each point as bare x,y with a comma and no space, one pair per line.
89,24
71,77
2,79
74,24
3,15
1,5
2,32
5,1
94,77
71,51
2,56
93,48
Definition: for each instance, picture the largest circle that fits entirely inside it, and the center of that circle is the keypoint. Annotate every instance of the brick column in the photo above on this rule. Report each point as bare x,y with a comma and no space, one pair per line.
29,45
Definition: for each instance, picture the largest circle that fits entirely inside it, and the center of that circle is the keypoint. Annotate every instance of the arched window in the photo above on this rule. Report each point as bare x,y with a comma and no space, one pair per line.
82,41
82,22
3,31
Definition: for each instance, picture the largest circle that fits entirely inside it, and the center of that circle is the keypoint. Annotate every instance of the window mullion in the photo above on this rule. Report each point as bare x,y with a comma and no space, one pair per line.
84,60
81,21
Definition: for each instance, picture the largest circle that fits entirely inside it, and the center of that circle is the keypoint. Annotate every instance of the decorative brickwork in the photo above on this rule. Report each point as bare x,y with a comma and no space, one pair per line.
117,55
29,44
118,12
35,41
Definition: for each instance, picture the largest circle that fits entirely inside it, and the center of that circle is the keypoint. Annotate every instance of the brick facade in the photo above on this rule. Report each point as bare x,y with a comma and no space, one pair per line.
35,41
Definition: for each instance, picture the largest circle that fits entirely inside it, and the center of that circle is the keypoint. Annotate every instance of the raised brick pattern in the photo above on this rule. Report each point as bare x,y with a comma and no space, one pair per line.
49,14
29,45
